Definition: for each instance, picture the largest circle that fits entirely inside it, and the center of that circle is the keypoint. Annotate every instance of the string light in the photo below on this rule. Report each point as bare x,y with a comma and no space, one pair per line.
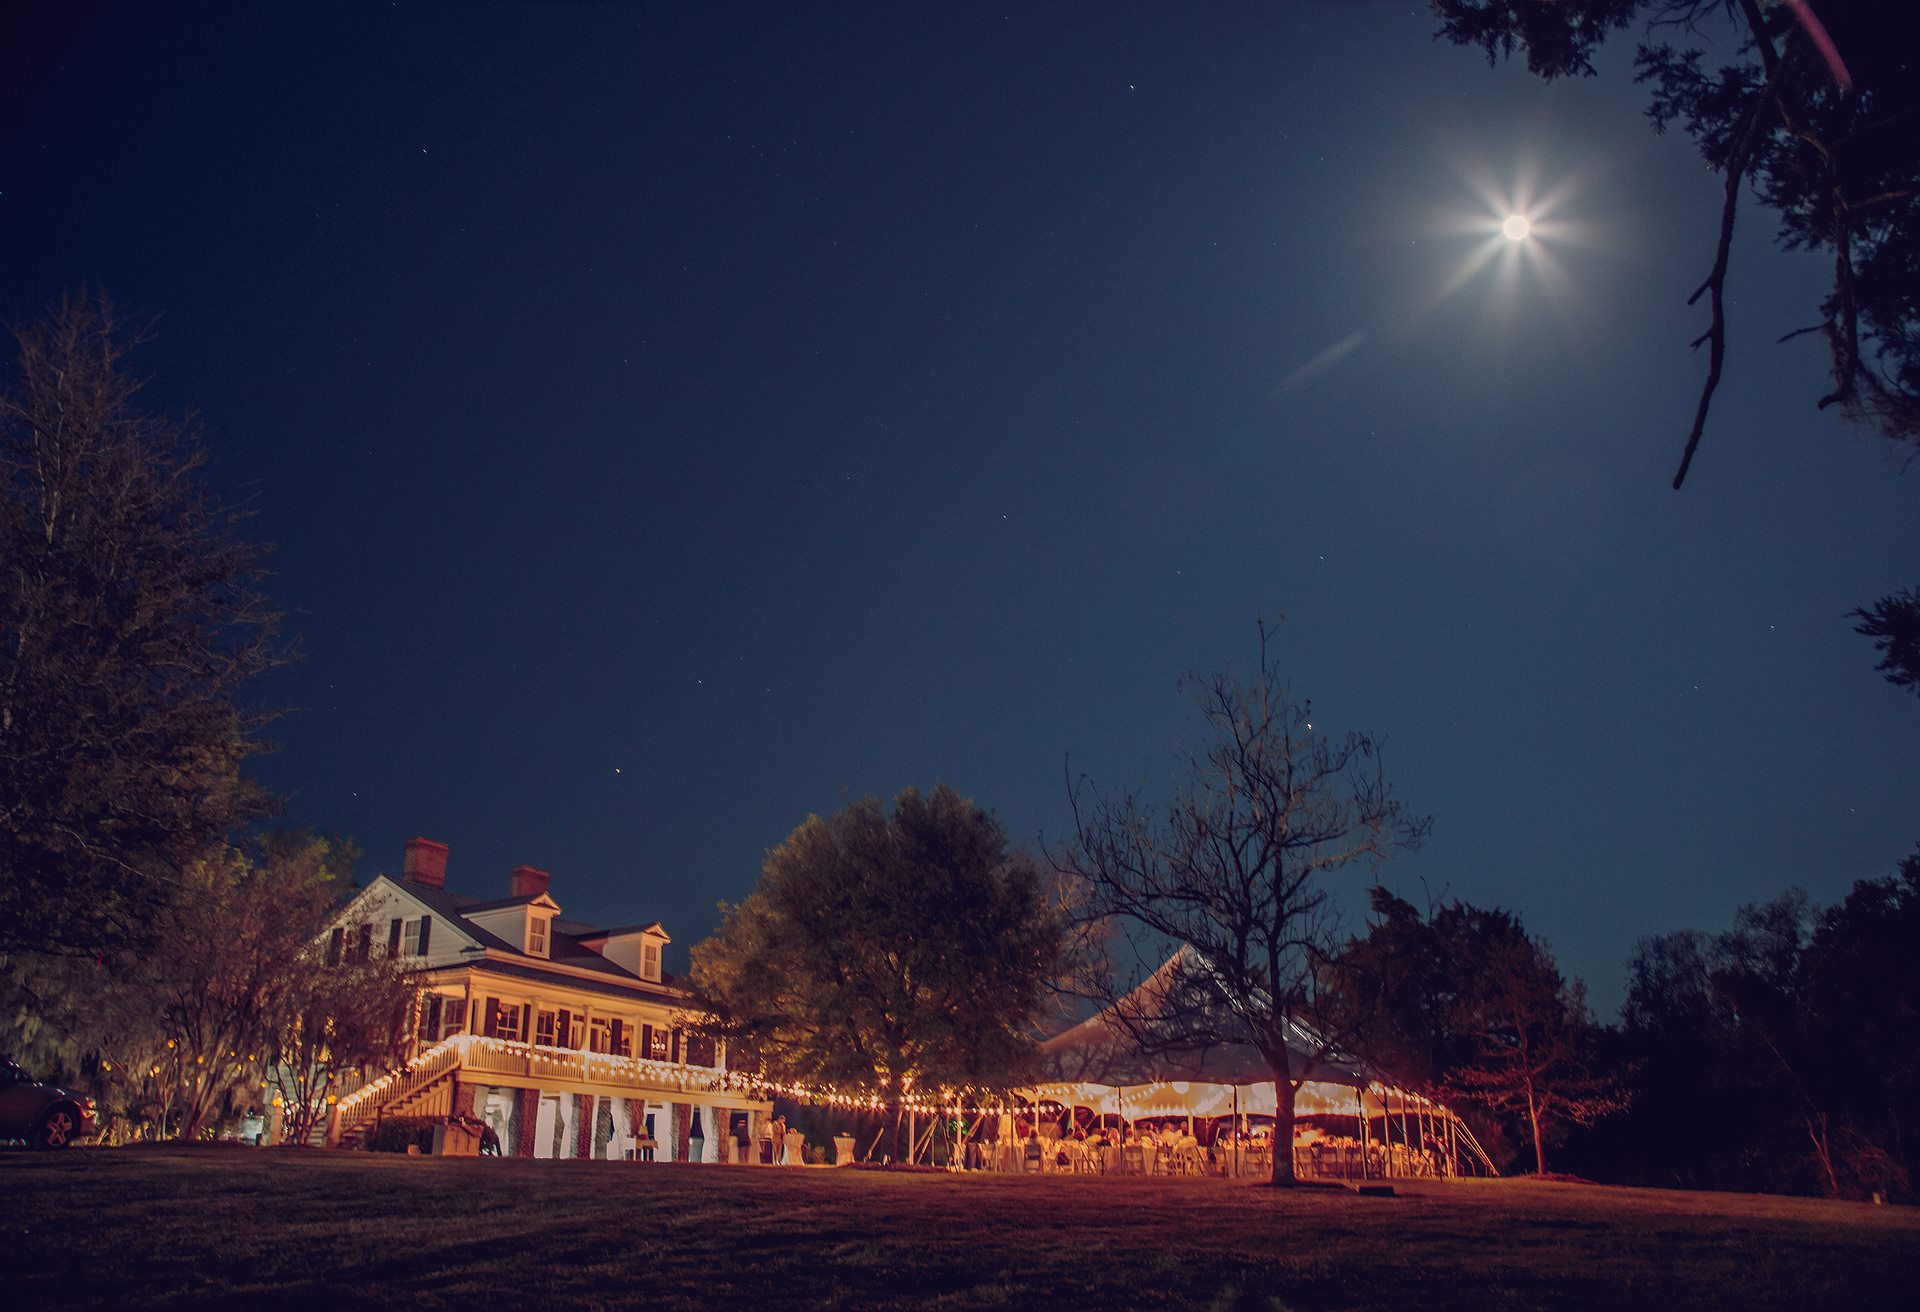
461,1049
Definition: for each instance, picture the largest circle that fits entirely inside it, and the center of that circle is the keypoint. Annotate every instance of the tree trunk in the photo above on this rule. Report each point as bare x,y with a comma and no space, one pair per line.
1816,1123
1283,1097
1533,1121
896,1103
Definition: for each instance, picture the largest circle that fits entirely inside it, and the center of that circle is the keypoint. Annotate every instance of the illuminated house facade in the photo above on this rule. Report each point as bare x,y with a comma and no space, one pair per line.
567,1039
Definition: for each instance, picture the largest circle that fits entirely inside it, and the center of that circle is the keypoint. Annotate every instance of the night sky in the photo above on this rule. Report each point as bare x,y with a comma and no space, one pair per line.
676,420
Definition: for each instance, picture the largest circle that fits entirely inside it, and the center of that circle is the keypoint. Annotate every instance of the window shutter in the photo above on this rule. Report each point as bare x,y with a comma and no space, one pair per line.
365,950
492,1025
426,933
431,1031
336,945
646,1042
563,1031
615,1028
393,937
673,1046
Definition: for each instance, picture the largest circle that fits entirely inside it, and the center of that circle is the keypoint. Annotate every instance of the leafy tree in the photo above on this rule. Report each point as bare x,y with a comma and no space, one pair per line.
1758,979
1398,994
891,951
1863,985
1818,114
130,618
1241,869
1531,1039
1465,1004
1783,1053
231,995
1686,1125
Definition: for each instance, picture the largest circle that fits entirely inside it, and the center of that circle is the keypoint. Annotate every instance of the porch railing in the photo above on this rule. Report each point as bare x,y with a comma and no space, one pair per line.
485,1055
492,1056
364,1103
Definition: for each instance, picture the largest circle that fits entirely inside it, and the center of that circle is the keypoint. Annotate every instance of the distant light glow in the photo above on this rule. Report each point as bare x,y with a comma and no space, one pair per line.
1518,228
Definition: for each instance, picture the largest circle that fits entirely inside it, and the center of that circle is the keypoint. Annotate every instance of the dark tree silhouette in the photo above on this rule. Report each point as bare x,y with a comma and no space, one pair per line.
1782,1054
1530,1038
1894,625
1465,1004
130,618
893,952
1241,869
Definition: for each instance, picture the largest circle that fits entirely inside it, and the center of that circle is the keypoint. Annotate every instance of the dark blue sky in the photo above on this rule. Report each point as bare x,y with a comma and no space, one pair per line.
673,420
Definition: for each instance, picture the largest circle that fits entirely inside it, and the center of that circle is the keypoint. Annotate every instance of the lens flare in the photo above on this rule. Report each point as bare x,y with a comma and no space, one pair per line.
1516,228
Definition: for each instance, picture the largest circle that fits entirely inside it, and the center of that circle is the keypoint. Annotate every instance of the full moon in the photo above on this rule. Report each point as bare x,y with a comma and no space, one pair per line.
1516,227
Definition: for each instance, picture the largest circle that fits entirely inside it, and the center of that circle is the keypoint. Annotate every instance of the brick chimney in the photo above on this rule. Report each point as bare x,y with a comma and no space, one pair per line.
527,881
426,862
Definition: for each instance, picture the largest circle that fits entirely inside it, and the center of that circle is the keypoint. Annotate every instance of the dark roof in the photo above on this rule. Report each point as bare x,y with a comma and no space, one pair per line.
502,903
454,907
624,929
566,948
625,986
564,942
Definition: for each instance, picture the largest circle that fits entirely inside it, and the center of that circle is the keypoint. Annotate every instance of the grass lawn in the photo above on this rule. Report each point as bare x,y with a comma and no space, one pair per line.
271,1229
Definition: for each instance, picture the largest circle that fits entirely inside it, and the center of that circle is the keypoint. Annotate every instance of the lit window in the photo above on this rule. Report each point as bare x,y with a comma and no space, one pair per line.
410,939
512,1022
546,1028
537,935
650,961
599,1035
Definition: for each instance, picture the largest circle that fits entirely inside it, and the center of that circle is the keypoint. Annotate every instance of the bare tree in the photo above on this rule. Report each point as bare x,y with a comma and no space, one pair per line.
242,997
335,1018
1236,877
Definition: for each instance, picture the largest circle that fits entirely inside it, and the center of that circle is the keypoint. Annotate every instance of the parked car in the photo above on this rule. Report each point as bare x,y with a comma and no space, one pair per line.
42,1114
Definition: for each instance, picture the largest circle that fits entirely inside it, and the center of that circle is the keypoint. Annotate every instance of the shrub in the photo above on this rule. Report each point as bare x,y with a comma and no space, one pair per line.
396,1133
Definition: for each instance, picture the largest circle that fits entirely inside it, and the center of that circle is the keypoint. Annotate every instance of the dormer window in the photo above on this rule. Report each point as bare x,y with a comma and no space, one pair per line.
635,949
537,935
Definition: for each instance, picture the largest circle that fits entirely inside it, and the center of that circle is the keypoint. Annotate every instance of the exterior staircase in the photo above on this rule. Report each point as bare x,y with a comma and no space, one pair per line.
423,1087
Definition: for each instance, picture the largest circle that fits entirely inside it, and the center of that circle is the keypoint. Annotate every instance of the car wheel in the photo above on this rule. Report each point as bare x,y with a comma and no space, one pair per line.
57,1128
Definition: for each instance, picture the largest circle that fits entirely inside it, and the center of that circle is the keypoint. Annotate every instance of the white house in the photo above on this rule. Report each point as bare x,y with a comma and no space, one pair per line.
569,1040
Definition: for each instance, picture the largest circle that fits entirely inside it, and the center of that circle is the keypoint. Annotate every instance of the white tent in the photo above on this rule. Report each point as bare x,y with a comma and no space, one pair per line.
1102,1051
1098,1065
